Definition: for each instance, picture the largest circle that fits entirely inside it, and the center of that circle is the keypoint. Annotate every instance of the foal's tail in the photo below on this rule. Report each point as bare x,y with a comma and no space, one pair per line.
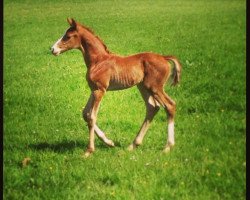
176,75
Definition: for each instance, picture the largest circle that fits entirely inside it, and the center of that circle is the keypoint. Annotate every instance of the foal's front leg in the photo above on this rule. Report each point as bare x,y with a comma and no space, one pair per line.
97,97
99,132
103,137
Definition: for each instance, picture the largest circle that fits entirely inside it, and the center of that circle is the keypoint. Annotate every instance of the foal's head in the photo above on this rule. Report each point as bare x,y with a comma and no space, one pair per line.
70,40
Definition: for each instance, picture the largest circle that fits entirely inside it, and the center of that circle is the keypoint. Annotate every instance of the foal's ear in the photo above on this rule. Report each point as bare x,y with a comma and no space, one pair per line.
71,22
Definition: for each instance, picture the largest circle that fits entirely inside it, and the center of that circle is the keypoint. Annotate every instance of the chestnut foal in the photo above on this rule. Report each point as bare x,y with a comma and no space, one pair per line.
107,71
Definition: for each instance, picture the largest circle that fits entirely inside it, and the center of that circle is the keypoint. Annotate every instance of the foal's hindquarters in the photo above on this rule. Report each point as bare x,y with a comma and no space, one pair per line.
157,72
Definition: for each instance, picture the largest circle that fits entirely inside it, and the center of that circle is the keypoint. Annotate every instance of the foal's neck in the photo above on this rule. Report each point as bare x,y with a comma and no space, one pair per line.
94,49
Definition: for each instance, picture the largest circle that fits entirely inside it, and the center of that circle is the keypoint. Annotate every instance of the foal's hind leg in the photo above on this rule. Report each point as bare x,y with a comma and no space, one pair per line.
170,107
152,107
86,113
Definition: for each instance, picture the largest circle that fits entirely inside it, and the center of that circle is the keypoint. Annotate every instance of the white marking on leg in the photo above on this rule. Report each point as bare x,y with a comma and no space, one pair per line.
170,140
157,103
142,133
102,135
151,101
99,132
171,133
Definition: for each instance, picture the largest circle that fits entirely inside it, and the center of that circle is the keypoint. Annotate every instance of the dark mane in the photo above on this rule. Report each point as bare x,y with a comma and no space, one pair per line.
99,39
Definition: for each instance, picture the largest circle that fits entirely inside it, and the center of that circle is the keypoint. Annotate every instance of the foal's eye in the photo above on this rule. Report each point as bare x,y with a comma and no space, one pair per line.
65,38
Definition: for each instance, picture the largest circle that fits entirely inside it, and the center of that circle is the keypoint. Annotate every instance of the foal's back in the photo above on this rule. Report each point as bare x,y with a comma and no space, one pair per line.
149,68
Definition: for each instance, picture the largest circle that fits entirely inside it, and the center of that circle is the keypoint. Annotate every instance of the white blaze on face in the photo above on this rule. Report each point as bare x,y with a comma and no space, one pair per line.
55,49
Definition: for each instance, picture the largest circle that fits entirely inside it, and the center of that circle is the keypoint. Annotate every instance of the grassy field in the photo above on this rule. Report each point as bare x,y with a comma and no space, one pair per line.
44,96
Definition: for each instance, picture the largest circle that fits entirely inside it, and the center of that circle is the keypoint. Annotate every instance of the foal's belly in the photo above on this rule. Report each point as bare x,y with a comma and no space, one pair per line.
121,85
125,73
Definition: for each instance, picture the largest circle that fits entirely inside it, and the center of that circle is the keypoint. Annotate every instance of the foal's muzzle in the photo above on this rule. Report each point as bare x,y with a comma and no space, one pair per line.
55,53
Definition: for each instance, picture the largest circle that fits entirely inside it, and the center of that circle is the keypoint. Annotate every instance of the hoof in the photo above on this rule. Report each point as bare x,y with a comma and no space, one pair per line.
131,147
110,143
88,152
168,148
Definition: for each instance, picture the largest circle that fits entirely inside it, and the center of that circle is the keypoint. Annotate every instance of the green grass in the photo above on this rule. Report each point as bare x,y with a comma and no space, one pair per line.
44,96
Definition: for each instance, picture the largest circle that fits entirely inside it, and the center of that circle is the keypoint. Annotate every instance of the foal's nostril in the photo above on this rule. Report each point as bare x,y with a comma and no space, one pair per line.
52,49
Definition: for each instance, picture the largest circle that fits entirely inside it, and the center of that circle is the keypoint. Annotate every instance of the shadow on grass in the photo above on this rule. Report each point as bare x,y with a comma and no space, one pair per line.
59,147
64,146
